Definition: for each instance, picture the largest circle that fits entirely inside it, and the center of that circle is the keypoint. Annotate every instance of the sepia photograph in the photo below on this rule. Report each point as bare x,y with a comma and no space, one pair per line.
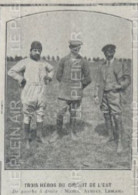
68,91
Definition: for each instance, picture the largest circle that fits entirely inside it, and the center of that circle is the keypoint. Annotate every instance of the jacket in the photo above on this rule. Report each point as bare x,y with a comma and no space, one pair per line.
74,76
121,74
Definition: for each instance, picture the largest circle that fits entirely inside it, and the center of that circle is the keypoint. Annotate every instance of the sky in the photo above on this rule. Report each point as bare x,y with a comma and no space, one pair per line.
55,29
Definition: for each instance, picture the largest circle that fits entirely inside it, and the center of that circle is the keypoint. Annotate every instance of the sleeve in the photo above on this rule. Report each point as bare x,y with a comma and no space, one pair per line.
86,74
124,78
15,71
50,70
60,70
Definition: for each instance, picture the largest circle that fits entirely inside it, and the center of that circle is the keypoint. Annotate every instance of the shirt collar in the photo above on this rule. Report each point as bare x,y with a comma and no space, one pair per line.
74,57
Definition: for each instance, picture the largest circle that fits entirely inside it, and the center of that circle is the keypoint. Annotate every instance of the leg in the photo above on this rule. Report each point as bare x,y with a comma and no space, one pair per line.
63,108
27,121
73,118
60,115
28,110
109,126
115,105
40,137
119,130
107,116
39,119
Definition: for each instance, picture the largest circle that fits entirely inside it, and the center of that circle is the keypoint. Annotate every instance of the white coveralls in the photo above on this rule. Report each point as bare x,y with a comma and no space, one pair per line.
33,95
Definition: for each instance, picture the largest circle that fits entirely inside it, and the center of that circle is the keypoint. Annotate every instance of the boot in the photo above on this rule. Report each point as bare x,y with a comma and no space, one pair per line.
73,129
55,135
109,127
119,129
27,135
40,137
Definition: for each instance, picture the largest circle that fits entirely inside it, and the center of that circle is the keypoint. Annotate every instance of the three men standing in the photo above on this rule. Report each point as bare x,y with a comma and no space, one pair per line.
113,79
73,75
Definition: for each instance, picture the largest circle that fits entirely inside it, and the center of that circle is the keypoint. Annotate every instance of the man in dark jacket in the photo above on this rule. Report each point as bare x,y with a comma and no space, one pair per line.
113,78
74,75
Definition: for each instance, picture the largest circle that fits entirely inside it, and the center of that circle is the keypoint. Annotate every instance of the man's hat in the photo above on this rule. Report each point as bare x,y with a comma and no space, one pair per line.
36,45
109,47
75,43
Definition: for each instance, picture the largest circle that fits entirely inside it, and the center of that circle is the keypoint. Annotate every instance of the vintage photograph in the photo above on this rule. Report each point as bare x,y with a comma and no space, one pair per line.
68,91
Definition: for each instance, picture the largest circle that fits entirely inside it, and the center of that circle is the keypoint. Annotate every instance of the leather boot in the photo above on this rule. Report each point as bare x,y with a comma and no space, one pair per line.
39,134
73,128
27,135
119,129
55,135
109,127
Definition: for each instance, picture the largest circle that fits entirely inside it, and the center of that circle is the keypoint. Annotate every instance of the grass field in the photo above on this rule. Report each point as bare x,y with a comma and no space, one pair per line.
87,152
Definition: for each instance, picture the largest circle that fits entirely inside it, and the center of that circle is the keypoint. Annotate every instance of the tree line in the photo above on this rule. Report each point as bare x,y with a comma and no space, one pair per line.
57,58
18,58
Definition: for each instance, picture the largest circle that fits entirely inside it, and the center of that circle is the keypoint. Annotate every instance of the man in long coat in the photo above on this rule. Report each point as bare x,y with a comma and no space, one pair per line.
73,75
112,80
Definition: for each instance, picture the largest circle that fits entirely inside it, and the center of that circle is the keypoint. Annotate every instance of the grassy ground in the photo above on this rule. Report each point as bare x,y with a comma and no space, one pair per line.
88,152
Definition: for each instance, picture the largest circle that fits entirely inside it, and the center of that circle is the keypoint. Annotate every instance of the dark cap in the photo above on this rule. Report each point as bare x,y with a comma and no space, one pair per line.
109,47
75,43
36,45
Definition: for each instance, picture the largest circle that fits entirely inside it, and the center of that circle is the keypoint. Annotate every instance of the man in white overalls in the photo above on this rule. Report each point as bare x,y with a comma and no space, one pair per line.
37,74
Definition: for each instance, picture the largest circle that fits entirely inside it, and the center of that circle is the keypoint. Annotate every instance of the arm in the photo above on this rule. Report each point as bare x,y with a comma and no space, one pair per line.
60,70
50,70
86,74
123,76
15,71
125,80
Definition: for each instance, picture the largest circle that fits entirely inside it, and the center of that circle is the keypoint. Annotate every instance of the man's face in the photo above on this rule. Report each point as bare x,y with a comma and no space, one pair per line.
35,54
109,54
75,50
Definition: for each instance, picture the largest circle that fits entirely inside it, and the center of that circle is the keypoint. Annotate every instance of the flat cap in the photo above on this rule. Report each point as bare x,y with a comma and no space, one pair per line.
36,45
75,43
109,47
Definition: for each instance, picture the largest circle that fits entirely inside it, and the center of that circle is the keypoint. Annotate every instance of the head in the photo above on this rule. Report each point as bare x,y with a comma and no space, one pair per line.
75,50
35,51
109,51
75,47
